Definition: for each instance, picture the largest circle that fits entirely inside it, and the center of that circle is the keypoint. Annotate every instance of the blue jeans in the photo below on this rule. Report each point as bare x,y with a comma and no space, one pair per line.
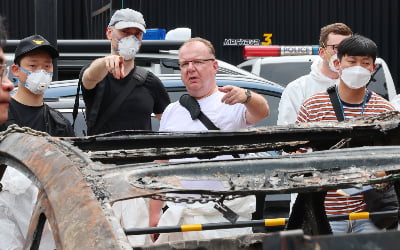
354,226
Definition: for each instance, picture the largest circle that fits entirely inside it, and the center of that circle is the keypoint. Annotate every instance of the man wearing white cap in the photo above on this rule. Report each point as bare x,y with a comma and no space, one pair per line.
118,94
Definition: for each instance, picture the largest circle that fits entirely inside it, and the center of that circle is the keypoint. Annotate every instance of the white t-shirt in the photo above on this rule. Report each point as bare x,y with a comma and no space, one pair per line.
224,116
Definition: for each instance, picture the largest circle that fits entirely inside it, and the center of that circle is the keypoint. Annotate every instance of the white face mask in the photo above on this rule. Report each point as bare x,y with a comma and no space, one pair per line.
331,63
355,77
38,81
128,47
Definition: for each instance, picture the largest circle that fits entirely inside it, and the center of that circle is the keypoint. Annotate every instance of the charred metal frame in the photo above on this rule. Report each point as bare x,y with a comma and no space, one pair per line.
76,190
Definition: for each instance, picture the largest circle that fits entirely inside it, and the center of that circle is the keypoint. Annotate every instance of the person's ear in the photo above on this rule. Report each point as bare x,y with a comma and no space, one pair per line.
336,63
108,33
215,65
321,52
15,70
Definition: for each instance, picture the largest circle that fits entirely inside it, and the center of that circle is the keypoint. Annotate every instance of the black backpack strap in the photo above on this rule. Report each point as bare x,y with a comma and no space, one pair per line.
191,104
138,78
335,102
76,104
140,74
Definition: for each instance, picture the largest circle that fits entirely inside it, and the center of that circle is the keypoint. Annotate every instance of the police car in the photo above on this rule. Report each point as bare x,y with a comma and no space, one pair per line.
283,64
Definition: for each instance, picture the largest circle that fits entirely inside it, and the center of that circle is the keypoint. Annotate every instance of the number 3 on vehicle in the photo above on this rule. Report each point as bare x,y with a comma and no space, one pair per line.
267,39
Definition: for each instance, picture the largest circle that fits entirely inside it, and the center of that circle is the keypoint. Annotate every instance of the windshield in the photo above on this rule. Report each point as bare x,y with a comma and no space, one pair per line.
283,73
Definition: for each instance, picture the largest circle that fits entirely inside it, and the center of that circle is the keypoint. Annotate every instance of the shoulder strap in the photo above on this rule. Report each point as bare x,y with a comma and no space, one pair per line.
335,102
140,74
207,122
139,77
191,104
76,104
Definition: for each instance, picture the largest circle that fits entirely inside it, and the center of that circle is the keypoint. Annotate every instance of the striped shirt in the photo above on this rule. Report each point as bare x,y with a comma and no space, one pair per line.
318,107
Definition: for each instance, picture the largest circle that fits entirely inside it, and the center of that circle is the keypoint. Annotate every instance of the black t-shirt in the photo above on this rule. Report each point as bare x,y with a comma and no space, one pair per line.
42,118
28,116
135,112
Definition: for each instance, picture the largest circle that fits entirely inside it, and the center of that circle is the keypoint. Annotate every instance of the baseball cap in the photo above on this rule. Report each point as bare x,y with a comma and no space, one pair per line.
127,18
34,42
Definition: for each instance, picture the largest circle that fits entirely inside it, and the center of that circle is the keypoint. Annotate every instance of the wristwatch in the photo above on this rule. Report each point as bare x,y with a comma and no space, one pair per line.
248,94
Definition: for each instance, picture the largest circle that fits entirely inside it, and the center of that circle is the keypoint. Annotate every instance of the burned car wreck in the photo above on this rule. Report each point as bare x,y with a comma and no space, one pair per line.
80,178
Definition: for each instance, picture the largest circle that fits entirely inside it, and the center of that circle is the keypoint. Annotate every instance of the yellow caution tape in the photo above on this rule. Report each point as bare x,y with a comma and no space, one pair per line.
275,222
192,227
358,216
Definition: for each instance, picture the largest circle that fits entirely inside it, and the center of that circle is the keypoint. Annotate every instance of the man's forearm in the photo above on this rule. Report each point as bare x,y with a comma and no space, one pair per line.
94,73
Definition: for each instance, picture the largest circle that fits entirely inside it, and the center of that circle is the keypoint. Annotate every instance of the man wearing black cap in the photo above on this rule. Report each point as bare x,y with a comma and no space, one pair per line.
118,94
18,194
33,67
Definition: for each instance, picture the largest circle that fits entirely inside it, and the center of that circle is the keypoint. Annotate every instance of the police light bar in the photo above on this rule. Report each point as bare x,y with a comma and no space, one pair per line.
154,34
273,50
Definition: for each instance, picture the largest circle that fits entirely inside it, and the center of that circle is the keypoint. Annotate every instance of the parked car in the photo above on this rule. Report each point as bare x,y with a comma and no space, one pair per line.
285,67
61,96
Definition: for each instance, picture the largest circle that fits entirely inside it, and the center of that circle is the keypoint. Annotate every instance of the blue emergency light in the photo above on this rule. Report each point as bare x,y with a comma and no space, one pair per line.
273,50
154,34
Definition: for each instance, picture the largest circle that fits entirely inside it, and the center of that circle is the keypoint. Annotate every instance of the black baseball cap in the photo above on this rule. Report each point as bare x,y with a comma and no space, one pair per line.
34,42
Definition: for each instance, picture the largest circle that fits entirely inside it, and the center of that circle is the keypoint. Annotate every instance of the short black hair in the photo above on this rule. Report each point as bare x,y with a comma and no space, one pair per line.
357,45
3,32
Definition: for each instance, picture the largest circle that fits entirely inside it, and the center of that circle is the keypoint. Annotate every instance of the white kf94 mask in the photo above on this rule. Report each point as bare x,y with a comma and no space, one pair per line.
356,77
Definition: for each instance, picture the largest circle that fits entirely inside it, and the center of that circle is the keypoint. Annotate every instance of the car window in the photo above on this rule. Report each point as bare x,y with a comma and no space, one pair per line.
378,82
284,73
247,67
273,102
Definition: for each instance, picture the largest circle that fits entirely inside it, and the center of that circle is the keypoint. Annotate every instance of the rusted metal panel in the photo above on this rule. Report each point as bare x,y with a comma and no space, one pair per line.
310,172
140,146
76,193
77,216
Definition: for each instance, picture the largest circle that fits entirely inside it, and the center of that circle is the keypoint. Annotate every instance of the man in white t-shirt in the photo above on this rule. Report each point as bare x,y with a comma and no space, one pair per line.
229,108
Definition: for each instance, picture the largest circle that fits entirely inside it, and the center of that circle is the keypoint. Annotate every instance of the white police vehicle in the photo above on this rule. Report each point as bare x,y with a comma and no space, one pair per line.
283,64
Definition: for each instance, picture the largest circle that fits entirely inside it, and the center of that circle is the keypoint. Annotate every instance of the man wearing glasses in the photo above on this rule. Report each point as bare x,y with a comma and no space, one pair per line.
322,75
229,108
6,85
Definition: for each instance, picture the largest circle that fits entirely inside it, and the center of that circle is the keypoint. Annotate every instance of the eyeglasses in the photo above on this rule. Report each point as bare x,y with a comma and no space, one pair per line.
196,63
4,71
334,46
